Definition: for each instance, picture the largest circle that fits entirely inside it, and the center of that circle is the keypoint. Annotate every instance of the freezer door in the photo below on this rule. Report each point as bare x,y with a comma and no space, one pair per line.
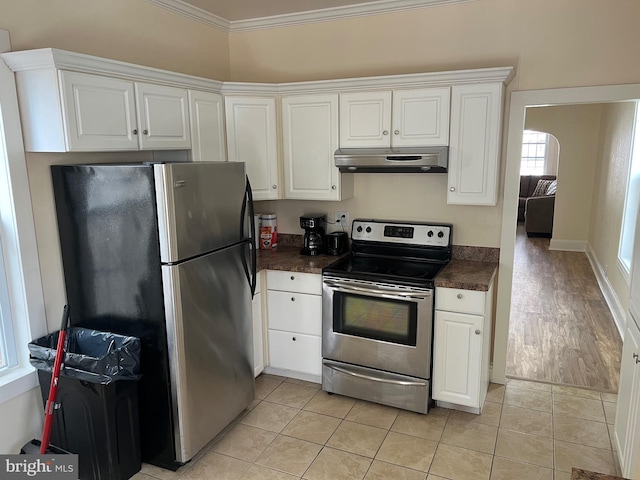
200,207
208,310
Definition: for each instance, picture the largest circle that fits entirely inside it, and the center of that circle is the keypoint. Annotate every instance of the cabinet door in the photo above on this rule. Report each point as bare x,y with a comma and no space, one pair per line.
99,112
163,117
626,432
251,138
420,117
207,127
474,149
365,119
457,358
295,351
258,349
310,138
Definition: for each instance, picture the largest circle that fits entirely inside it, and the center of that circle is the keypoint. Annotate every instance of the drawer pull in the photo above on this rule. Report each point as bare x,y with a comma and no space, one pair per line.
477,332
459,296
292,277
294,339
293,299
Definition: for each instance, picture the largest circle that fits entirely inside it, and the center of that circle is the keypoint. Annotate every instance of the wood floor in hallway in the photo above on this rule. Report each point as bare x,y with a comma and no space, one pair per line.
561,330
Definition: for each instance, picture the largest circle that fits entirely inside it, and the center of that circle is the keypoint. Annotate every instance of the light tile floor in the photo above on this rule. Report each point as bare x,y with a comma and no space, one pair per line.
294,430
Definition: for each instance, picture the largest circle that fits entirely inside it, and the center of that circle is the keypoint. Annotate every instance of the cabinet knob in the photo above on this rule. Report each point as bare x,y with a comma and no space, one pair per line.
452,189
292,277
477,332
293,338
274,186
459,296
145,131
333,187
396,132
135,131
385,132
293,299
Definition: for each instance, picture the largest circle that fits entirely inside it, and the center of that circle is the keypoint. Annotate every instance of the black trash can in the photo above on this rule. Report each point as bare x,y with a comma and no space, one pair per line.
97,416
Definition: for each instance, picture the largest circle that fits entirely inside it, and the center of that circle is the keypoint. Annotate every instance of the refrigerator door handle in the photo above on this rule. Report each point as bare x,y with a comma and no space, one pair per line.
248,199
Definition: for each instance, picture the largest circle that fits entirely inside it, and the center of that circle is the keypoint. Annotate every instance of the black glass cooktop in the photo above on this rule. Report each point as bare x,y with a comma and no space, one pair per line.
409,271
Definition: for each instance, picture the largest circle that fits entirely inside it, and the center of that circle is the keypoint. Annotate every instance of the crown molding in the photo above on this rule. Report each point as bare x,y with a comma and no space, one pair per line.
195,13
300,18
45,58
52,58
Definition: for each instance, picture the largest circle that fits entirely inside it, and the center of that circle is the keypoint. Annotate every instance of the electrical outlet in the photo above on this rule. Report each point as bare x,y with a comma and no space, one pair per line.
341,219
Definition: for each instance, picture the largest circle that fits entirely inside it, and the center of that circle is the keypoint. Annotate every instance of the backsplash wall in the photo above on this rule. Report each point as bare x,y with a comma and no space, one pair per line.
398,196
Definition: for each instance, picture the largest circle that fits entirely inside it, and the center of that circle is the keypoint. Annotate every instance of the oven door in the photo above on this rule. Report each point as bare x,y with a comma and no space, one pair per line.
377,325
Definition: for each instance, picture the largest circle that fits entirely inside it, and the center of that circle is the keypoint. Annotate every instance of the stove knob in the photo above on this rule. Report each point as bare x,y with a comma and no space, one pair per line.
430,233
440,234
368,229
359,229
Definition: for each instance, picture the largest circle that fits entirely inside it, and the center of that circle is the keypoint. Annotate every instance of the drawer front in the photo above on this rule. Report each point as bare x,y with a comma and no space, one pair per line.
295,282
295,312
458,300
295,351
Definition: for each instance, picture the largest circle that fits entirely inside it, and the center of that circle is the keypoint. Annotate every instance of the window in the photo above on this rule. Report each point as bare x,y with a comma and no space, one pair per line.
22,312
7,344
534,153
631,200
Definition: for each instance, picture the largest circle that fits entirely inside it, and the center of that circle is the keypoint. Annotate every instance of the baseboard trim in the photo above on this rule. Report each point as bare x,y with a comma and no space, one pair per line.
282,372
568,245
609,293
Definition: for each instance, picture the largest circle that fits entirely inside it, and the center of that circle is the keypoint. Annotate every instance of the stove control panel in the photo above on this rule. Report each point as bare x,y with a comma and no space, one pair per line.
424,234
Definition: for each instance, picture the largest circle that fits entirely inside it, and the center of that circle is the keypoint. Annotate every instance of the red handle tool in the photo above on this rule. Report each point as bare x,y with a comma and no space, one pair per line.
53,388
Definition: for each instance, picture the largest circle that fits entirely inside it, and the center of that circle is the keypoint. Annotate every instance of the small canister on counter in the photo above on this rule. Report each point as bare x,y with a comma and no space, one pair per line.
268,231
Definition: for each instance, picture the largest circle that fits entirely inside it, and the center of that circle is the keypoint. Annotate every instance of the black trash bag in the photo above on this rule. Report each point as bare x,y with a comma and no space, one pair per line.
90,355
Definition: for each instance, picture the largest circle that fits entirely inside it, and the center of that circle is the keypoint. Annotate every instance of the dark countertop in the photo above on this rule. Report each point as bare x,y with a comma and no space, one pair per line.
467,275
290,260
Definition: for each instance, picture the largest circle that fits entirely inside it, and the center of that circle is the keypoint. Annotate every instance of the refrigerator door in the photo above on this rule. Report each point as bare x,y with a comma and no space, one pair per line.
208,311
200,208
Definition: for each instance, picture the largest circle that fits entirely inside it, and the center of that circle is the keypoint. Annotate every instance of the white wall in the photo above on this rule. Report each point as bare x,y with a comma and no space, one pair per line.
609,187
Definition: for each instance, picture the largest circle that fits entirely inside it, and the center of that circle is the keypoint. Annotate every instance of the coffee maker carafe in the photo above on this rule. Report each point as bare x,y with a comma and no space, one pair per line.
313,240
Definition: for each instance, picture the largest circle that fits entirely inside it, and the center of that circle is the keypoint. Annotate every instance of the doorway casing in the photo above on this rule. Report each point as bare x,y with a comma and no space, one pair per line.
520,101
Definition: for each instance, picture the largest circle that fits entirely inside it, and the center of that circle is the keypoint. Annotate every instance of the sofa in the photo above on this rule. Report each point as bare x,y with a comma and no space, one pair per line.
536,203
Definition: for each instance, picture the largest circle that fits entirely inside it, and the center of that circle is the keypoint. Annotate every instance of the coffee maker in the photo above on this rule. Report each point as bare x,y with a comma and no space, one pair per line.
313,240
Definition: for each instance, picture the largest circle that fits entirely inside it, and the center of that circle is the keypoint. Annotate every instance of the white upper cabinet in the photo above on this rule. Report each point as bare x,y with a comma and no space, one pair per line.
365,119
70,111
252,138
207,126
310,138
474,151
99,113
420,117
163,117
401,118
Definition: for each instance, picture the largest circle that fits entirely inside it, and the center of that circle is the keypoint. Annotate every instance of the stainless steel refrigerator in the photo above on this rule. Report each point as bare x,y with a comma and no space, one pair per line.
165,252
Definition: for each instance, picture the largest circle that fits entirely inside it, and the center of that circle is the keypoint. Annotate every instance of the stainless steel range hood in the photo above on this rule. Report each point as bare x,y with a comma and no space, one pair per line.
393,160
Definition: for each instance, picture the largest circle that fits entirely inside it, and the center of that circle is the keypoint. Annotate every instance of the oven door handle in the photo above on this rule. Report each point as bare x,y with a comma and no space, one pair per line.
378,292
404,383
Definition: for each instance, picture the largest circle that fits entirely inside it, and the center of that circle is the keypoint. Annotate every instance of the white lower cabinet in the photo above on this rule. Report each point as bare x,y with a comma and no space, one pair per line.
294,319
461,348
627,423
258,331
